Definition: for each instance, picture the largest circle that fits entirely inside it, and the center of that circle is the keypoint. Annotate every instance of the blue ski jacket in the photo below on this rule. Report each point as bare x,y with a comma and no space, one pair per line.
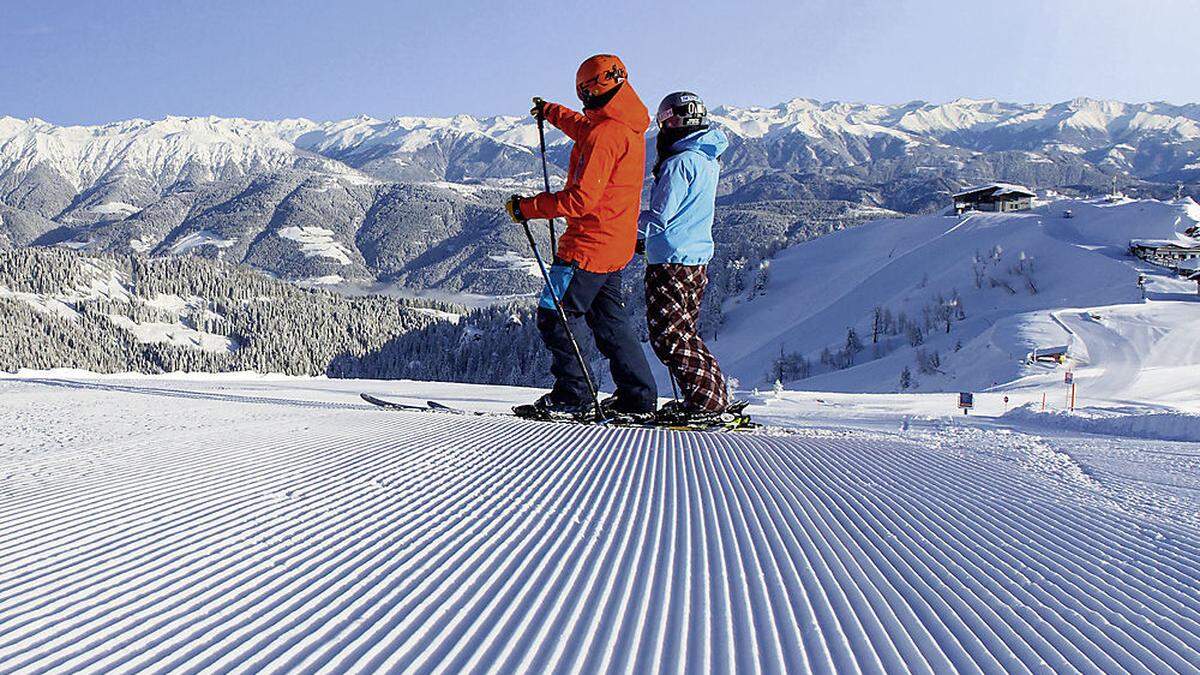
677,227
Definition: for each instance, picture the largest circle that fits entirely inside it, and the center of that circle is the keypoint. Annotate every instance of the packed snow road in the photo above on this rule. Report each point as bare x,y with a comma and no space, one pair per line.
188,526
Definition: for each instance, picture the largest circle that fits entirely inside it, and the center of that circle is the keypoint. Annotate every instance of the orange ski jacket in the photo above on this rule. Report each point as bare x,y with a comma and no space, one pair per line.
602,197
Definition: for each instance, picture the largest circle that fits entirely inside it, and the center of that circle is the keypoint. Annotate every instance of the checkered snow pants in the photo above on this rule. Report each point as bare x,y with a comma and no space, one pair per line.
673,295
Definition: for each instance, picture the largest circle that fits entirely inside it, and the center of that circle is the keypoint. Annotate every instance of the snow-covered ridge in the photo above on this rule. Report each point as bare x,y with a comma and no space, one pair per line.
163,151
411,134
934,120
200,149
175,149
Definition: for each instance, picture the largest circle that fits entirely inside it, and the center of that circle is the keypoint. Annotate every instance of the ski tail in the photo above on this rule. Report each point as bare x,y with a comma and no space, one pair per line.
392,405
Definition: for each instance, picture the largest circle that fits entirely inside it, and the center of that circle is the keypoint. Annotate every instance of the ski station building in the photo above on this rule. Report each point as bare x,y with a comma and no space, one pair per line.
1172,253
1000,197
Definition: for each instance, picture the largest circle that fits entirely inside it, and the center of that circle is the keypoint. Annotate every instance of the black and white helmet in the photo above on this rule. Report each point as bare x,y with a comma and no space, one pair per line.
682,110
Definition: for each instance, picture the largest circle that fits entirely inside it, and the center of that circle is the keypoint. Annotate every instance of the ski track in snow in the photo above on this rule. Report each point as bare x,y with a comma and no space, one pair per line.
272,535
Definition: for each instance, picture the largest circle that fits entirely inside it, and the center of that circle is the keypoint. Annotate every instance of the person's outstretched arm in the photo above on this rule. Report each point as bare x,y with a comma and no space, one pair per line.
581,198
571,123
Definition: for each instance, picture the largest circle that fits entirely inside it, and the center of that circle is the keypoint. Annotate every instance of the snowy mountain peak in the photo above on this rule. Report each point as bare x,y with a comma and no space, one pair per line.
798,105
964,101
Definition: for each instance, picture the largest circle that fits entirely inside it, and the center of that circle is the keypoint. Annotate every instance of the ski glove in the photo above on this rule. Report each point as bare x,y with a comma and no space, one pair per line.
539,108
513,207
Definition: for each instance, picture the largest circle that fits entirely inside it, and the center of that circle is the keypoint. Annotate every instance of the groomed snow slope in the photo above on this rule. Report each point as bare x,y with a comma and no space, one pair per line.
217,525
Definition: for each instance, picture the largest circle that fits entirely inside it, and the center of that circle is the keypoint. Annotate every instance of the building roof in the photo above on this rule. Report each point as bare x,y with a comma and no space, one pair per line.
1164,243
996,190
1050,351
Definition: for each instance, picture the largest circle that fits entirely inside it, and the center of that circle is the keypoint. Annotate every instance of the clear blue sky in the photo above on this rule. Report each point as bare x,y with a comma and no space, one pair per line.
88,62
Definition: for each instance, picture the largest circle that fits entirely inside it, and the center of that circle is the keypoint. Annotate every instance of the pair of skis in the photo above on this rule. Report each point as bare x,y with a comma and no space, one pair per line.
736,422
430,406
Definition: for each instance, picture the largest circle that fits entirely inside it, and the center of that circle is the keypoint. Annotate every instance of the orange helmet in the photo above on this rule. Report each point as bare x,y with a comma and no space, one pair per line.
597,76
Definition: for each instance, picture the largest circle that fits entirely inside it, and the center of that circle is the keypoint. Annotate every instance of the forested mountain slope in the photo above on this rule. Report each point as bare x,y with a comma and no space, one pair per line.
114,314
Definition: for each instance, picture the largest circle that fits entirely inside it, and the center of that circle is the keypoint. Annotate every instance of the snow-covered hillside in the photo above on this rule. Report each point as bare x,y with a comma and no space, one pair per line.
264,525
961,301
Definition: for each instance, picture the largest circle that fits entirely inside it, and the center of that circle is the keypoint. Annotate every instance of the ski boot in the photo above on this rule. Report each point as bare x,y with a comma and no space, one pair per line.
613,411
678,414
548,409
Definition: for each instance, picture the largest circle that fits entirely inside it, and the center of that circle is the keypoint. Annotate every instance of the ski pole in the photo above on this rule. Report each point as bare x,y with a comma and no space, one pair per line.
541,124
562,316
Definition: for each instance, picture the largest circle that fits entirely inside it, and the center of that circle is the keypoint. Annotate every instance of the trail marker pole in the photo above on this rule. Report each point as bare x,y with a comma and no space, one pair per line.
1069,378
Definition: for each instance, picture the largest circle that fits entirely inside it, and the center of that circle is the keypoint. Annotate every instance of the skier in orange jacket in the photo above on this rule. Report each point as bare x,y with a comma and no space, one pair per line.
601,202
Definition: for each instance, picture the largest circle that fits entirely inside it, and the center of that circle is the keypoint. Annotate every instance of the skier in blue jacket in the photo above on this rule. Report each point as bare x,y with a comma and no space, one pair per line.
676,235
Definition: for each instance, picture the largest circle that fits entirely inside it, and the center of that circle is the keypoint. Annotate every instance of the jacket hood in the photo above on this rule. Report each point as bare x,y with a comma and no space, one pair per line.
626,108
711,142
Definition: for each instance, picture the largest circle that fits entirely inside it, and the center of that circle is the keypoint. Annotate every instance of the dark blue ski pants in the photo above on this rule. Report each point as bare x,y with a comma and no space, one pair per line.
595,300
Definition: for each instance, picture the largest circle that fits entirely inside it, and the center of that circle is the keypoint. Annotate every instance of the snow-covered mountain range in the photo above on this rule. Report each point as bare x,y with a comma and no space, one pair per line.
88,174
1148,141
1026,126
412,199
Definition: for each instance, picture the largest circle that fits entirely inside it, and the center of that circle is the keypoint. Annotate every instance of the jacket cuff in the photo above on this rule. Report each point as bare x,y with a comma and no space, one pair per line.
552,111
519,209
535,207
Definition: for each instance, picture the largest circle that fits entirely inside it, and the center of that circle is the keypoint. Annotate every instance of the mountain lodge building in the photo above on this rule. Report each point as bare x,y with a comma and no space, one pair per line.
1166,252
999,197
